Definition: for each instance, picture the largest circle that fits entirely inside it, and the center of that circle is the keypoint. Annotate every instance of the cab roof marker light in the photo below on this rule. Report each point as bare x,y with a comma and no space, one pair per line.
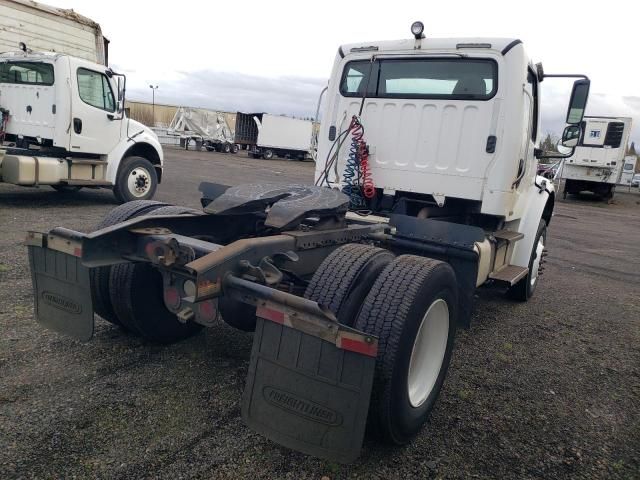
417,29
473,45
371,48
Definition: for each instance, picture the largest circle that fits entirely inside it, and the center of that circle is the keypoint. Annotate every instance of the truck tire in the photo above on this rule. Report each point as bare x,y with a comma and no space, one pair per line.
235,148
345,277
267,154
66,189
226,148
136,180
412,308
99,277
524,289
136,293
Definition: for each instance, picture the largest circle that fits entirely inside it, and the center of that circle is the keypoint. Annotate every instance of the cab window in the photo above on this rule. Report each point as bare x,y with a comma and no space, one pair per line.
436,78
30,73
94,89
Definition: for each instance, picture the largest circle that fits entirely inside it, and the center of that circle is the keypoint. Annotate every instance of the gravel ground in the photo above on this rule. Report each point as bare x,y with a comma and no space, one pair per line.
548,389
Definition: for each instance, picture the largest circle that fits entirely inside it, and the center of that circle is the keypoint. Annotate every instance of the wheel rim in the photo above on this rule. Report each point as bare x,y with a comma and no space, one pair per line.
535,268
139,182
427,355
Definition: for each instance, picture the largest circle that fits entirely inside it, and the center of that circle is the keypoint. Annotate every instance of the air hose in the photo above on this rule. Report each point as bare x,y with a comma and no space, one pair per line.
358,184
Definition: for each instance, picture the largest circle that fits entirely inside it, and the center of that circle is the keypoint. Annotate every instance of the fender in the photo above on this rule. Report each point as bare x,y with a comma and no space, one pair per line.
141,142
539,205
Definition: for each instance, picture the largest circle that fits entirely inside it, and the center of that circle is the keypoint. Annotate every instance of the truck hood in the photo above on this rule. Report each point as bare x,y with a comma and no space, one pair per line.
135,127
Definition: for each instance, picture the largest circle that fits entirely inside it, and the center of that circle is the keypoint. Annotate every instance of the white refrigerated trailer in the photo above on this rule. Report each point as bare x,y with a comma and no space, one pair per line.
596,165
51,29
628,170
267,135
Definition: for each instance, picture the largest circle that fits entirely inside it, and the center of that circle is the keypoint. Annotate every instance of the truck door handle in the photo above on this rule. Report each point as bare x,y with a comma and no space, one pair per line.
77,125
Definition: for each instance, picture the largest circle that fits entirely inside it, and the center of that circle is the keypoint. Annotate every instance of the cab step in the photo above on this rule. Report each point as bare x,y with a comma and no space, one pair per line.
508,235
86,161
509,274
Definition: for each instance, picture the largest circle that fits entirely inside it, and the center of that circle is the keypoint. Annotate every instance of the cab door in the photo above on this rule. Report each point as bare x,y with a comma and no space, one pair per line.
95,127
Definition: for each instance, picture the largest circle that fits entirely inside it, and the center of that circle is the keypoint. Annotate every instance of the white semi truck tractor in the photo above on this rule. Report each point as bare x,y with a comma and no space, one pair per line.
426,189
62,124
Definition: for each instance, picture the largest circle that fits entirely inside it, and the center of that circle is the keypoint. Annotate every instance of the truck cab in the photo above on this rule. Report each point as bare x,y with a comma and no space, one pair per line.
63,124
451,129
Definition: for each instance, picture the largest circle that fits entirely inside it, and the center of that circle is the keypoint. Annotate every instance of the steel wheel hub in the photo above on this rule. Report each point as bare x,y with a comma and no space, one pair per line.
427,355
139,182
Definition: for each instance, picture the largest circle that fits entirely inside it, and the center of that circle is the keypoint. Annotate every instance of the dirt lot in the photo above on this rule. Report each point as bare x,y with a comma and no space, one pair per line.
548,389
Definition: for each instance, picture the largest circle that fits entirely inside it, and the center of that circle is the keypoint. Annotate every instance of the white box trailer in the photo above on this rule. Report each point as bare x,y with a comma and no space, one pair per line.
44,28
596,165
628,170
267,135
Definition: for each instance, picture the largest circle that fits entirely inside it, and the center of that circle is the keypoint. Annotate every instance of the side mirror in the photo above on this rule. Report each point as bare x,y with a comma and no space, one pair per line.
570,136
578,102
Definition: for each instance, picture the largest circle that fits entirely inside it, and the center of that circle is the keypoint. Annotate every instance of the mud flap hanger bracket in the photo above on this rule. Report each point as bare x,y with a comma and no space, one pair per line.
300,314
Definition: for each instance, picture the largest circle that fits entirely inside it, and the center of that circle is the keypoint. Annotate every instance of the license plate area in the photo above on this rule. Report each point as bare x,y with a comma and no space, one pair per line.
307,394
62,292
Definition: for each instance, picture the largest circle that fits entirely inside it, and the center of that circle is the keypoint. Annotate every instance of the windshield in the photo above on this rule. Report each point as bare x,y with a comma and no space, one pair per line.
438,78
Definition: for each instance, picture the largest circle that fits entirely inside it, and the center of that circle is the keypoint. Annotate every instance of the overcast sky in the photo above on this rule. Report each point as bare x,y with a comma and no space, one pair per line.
275,56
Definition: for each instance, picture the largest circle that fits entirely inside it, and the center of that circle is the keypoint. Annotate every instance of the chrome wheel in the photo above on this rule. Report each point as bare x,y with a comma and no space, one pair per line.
427,355
535,267
139,182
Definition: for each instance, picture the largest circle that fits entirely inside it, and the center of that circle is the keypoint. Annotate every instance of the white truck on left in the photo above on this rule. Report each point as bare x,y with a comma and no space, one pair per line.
62,120
63,124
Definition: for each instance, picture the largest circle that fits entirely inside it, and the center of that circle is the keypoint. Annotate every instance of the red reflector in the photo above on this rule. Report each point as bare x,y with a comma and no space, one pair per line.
269,314
77,252
359,346
207,310
172,297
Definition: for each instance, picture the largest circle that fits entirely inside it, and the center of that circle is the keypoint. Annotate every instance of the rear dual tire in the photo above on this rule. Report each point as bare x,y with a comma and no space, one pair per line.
345,277
130,295
136,294
412,308
410,303
100,276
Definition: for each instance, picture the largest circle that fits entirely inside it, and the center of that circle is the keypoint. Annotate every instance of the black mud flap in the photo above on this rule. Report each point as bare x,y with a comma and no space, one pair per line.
306,393
62,292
